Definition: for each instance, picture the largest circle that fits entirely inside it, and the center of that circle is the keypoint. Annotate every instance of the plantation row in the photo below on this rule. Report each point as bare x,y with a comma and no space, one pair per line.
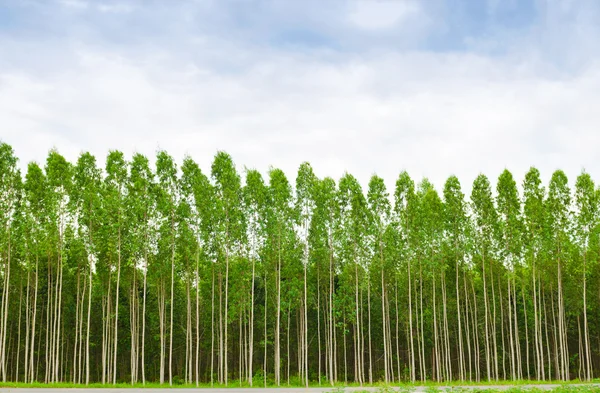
167,274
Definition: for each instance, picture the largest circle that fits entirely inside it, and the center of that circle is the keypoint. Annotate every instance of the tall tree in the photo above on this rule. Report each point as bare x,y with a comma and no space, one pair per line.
559,227
58,174
405,211
255,204
281,220
587,221
510,232
380,207
354,218
167,203
197,188
534,219
229,232
456,221
141,213
305,190
322,247
35,199
115,188
486,221
86,196
10,184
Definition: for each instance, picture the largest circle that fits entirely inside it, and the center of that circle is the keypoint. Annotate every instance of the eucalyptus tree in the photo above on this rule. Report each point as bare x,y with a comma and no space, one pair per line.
36,191
255,205
380,207
114,198
354,219
486,221
456,221
86,197
196,188
405,209
59,178
187,250
10,189
430,227
280,228
534,221
141,213
188,253
559,221
323,227
586,202
167,202
392,276
305,190
510,233
74,300
229,233
21,275
23,227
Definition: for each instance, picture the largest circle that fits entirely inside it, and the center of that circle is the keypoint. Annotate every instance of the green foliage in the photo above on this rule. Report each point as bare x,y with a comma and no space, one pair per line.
504,278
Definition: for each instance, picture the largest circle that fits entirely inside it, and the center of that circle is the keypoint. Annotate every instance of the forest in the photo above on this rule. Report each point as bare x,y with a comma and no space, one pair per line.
154,271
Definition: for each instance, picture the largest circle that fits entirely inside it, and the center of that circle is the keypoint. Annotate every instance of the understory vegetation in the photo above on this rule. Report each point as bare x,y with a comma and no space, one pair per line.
154,272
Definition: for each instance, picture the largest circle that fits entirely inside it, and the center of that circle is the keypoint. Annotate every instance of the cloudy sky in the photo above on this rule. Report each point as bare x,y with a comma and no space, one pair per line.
436,87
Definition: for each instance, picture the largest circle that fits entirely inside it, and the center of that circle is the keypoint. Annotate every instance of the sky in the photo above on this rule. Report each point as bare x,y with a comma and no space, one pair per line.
437,88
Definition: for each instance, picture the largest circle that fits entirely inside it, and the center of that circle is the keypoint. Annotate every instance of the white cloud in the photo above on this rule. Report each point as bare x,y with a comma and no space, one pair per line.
381,14
115,8
79,4
433,114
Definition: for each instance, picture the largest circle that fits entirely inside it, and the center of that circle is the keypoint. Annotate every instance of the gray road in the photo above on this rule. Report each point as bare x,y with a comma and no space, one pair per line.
269,390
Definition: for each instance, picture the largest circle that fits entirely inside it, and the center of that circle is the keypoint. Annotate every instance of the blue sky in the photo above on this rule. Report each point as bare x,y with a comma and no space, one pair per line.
435,87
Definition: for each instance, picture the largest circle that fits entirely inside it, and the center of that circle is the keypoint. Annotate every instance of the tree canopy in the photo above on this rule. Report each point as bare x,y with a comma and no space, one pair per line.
171,274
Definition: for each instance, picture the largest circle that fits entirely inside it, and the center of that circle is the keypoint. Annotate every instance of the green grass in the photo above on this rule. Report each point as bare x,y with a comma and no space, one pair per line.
433,389
566,387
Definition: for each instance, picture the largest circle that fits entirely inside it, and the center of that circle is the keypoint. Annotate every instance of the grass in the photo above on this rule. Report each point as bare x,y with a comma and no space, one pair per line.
433,389
454,386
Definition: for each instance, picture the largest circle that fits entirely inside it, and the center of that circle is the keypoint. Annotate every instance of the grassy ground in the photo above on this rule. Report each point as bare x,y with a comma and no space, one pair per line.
517,386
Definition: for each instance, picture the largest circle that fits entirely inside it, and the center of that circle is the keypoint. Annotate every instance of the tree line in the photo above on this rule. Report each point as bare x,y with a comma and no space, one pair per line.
143,272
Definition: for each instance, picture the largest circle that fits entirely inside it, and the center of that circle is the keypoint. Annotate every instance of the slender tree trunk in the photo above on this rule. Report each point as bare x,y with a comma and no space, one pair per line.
383,320
251,327
487,329
588,353
226,321
461,358
397,331
143,360
27,323
423,367
526,323
331,316
117,306
446,330
198,316
74,379
413,376
19,330
33,375
358,373
5,306
266,337
212,328
172,292
369,322
305,331
468,332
